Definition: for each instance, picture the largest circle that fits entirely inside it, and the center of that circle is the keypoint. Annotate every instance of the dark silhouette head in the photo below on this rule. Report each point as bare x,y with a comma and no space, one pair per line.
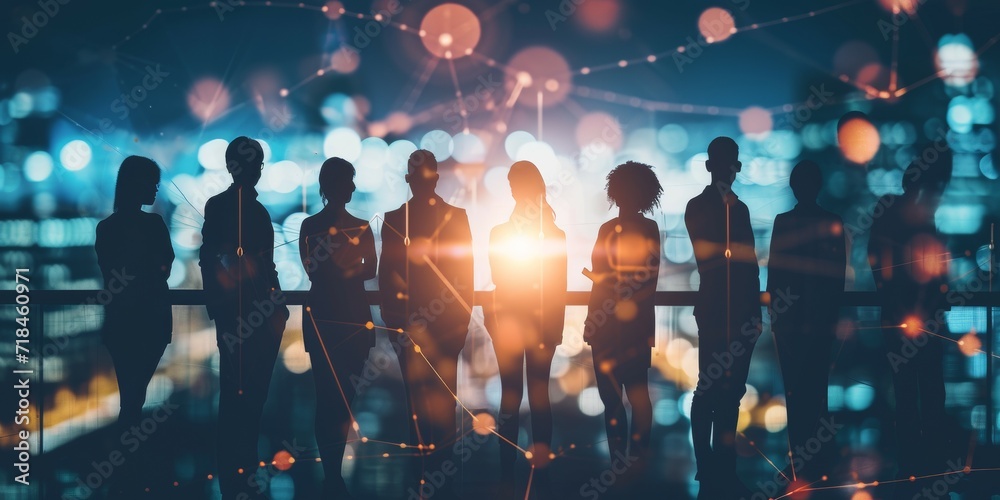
633,186
244,160
723,160
336,181
528,188
137,183
806,181
422,173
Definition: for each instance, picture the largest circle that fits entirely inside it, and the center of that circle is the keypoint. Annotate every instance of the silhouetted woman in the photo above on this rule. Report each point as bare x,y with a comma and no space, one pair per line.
528,266
134,254
621,322
338,252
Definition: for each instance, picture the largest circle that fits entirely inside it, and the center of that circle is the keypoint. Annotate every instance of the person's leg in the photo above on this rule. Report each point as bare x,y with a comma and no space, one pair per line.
932,396
906,391
510,363
728,410
790,356
539,367
704,403
229,416
333,416
610,391
637,389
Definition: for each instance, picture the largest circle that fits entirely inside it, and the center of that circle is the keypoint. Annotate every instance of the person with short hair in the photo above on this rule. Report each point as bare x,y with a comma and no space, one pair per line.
244,298
426,287
727,309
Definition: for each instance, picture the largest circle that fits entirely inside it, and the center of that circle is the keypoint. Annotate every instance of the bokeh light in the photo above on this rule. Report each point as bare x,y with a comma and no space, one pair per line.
208,99
342,142
450,31
756,121
75,155
857,138
716,24
956,60
538,69
212,154
38,166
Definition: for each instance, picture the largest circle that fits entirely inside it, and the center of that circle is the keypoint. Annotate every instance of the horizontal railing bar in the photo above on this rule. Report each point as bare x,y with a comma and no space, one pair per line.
194,297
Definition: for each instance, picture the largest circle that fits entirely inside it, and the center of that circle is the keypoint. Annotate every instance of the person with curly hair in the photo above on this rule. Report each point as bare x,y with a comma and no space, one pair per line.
727,309
621,320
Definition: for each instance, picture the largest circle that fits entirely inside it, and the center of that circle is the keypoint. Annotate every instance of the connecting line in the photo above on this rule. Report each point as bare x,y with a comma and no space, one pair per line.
801,488
754,446
458,96
340,388
958,342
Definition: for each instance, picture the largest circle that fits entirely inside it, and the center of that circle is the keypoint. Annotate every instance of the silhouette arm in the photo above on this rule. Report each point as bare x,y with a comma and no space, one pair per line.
390,275
166,255
208,259
369,259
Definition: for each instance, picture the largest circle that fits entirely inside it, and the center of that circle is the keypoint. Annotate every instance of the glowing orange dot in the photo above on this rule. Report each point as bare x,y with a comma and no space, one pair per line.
970,344
858,139
484,424
716,24
369,325
756,121
240,470
283,460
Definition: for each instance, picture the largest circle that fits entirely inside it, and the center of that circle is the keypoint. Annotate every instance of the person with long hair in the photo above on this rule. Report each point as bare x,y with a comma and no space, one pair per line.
134,254
338,252
528,267
621,320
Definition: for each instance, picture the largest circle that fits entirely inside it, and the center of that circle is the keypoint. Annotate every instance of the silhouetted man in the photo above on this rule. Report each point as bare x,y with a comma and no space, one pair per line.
426,284
728,313
910,263
806,269
243,296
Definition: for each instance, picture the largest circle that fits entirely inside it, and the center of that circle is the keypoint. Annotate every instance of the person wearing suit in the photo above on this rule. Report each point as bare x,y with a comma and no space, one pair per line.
807,265
728,313
338,254
245,300
426,287
526,318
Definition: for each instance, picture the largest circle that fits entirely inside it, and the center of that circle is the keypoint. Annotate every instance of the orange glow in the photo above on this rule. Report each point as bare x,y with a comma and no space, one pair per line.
541,70
929,259
969,344
858,139
484,424
716,24
450,31
861,495
283,460
911,327
599,16
208,99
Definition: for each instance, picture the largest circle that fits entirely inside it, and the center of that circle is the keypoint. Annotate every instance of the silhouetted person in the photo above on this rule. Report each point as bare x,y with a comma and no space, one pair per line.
134,254
528,267
426,284
909,262
243,296
621,319
338,253
728,313
806,270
